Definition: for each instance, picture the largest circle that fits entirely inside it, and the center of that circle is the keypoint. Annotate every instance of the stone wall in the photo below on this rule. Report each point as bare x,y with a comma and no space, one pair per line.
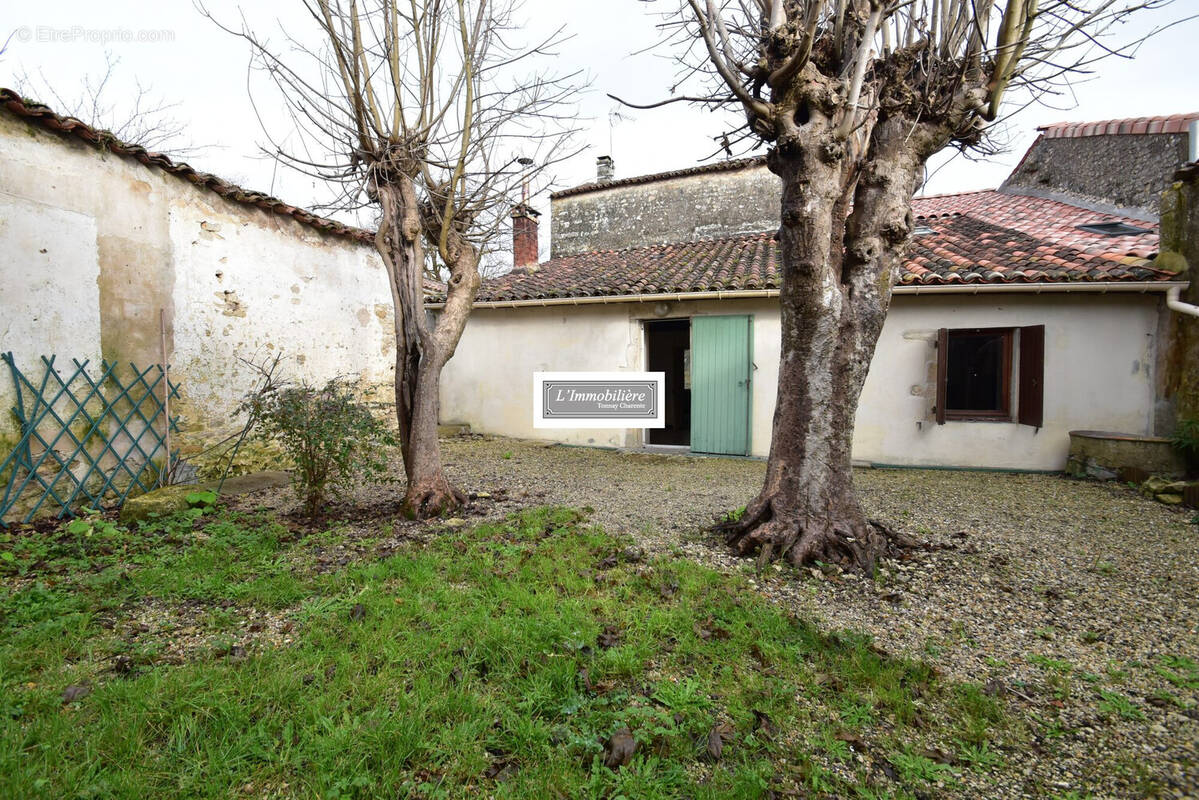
678,209
1128,171
1180,251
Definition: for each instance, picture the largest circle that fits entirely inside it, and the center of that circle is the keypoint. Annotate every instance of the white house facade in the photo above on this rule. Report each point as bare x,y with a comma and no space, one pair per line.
1018,318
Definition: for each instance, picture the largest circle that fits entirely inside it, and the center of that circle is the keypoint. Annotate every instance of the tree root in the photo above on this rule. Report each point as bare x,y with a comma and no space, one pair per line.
435,499
849,540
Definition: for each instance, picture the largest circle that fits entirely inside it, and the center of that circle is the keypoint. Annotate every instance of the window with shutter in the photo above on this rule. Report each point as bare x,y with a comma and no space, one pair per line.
975,380
1031,403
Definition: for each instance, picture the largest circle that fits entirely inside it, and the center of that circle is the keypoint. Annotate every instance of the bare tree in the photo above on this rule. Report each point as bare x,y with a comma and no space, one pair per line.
427,111
139,117
853,97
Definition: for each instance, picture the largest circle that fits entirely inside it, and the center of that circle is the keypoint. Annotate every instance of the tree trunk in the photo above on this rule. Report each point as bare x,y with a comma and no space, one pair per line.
420,352
836,286
429,493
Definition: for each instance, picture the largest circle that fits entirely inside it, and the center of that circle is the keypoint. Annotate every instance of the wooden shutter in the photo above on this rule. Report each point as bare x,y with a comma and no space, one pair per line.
1032,375
942,367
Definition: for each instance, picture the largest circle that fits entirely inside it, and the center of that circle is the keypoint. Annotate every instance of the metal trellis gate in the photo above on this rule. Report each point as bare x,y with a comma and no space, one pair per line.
84,439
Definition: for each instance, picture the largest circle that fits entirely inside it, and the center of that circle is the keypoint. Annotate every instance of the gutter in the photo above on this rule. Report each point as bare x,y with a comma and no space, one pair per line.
1173,289
1174,302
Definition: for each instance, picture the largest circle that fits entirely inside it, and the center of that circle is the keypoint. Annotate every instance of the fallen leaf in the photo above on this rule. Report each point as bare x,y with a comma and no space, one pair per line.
937,755
76,692
758,655
499,770
763,724
619,749
610,637
716,739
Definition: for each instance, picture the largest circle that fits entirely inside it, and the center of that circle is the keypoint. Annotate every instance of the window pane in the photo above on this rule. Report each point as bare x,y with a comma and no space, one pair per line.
974,374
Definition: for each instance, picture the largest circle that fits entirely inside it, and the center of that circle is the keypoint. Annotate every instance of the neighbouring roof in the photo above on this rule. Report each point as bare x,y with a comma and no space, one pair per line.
1174,123
987,237
44,117
719,166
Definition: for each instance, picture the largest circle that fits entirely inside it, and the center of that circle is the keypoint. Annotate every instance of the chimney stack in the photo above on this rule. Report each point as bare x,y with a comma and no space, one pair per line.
604,169
524,237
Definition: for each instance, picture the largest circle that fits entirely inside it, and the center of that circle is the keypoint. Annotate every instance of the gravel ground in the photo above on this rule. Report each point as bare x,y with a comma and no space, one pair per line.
1071,600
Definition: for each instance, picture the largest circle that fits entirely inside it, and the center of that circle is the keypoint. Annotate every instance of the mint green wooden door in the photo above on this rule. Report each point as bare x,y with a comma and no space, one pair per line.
721,367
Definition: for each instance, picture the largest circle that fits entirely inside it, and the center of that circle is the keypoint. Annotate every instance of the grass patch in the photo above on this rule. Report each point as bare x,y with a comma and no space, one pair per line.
494,661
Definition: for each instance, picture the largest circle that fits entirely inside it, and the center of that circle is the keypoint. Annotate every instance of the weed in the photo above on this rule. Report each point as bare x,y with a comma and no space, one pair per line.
1116,703
1051,664
1181,671
733,516
979,757
915,768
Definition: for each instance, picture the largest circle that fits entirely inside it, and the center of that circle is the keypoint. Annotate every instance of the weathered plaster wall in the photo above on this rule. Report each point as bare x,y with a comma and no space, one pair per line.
1099,372
50,293
1125,170
1180,251
93,245
489,381
678,209
249,290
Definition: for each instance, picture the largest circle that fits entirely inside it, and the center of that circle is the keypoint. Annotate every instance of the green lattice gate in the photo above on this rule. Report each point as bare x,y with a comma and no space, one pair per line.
85,439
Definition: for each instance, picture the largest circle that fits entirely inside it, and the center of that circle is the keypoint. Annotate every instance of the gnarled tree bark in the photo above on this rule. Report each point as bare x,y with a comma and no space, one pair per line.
854,96
839,261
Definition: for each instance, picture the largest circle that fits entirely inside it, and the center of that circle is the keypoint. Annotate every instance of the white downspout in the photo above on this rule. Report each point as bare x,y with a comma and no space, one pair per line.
1174,302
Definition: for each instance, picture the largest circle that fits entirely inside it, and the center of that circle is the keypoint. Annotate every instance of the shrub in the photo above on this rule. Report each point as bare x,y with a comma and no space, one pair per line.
330,437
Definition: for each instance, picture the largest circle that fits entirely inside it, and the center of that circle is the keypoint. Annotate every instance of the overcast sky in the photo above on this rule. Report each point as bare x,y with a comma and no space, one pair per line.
185,59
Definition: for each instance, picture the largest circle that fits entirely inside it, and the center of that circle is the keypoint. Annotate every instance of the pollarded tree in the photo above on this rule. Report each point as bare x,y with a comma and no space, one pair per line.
854,97
425,111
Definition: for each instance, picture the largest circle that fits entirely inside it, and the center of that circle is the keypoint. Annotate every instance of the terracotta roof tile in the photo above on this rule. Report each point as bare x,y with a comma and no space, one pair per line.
1175,123
978,237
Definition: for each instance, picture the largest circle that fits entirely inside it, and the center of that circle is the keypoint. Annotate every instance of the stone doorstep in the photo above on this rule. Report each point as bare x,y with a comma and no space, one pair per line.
170,499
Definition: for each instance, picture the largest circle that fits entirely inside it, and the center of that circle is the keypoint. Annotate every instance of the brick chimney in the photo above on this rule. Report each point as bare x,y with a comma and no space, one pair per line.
604,169
524,237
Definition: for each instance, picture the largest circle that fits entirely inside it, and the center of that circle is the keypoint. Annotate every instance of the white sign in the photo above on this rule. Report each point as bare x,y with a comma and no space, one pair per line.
598,399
